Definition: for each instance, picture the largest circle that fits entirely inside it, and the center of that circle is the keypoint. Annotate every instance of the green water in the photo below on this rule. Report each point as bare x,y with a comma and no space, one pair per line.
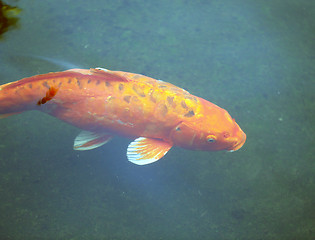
254,58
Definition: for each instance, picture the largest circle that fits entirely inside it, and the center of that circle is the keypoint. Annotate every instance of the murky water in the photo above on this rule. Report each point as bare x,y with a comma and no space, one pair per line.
254,58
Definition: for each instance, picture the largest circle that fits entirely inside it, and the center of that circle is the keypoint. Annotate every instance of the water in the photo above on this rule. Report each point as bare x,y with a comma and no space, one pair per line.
253,58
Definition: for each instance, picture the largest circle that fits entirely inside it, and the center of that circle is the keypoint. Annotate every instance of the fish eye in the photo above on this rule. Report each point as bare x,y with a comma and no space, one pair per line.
177,129
211,138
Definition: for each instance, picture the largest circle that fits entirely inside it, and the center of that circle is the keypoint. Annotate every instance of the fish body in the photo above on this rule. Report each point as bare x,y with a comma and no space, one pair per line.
105,103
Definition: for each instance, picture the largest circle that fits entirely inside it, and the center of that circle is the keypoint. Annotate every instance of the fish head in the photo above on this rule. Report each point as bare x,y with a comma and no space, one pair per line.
211,130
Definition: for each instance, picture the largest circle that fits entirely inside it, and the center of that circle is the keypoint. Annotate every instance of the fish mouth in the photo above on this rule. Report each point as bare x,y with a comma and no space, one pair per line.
238,144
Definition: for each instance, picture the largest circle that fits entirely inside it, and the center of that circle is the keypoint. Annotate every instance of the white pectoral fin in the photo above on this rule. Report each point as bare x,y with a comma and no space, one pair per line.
147,150
89,140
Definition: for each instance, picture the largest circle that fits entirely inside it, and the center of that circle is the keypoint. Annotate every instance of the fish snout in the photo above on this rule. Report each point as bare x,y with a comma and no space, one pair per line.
238,140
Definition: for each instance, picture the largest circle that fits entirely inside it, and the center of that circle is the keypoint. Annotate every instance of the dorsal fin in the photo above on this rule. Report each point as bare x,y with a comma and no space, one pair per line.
101,73
109,75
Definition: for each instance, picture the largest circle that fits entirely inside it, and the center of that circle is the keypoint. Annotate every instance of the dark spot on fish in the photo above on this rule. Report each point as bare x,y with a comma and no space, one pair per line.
30,85
162,108
17,92
183,104
89,81
121,86
97,82
59,85
170,100
49,95
79,83
45,84
69,80
135,99
138,90
127,99
107,84
191,113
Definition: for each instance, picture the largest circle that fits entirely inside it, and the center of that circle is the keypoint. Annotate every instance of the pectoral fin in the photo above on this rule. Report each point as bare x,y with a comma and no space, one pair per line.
89,140
146,150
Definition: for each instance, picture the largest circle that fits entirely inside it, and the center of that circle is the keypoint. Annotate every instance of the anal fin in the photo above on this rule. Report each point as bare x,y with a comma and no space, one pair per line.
89,140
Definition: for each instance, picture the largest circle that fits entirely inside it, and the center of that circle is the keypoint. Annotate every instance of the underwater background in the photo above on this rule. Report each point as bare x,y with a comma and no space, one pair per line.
255,59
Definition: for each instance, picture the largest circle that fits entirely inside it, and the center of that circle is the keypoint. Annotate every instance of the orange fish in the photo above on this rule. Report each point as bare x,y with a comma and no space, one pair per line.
104,103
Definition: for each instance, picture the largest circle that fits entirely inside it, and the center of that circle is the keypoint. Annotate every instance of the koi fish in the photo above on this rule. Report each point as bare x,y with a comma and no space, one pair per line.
104,103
